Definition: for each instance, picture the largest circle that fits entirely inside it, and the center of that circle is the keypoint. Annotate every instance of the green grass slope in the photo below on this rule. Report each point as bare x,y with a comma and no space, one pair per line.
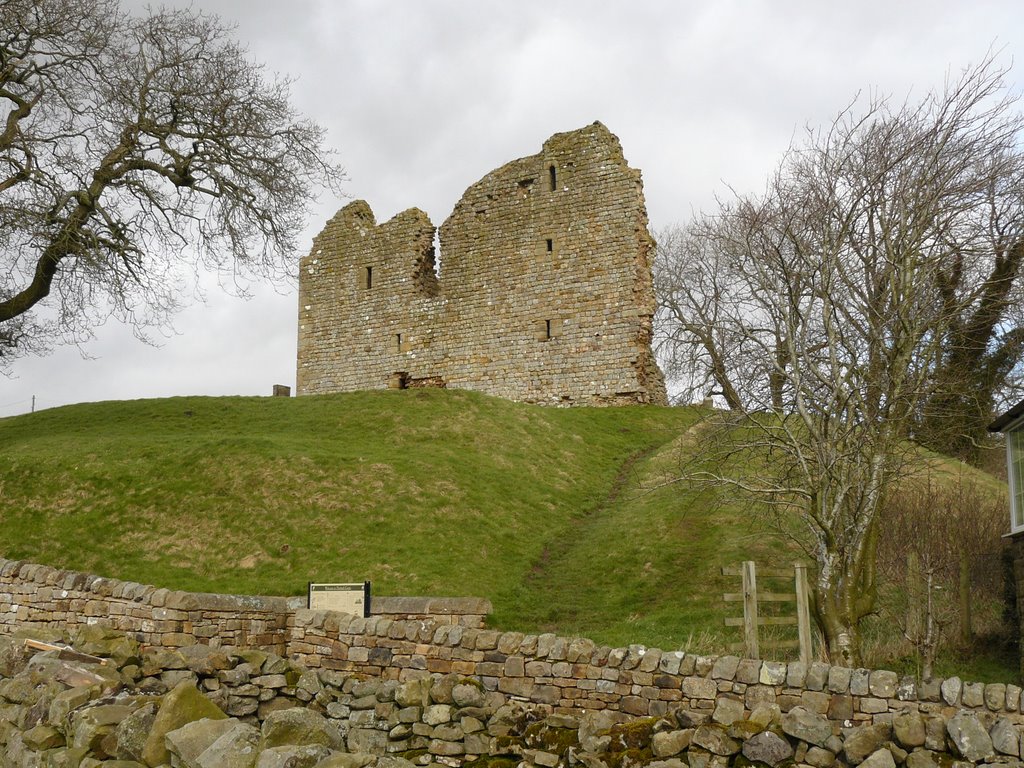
647,563
423,492
568,520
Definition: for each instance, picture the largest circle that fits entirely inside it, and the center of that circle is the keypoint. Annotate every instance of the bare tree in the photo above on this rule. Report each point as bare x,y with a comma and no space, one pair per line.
981,287
825,298
133,152
693,286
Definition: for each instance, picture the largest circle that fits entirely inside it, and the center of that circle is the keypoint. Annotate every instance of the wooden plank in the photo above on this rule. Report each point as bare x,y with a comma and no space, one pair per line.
803,613
781,643
763,621
765,597
774,573
65,652
770,573
750,610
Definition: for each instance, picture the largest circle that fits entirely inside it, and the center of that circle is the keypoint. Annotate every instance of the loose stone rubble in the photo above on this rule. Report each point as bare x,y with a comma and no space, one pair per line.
205,707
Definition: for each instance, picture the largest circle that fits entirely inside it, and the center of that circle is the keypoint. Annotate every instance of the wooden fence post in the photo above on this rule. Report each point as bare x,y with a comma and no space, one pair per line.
750,622
803,613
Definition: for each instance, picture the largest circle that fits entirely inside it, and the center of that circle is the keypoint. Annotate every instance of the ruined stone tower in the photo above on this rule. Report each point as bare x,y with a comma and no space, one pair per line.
544,293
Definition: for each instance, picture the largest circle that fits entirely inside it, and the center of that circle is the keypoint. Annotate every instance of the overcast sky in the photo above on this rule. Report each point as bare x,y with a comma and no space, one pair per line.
422,98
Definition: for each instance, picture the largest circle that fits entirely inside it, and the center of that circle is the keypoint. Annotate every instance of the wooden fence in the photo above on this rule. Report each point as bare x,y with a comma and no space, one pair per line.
751,620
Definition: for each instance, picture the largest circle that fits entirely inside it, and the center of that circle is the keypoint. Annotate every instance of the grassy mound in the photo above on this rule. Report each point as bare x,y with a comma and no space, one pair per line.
568,520
423,492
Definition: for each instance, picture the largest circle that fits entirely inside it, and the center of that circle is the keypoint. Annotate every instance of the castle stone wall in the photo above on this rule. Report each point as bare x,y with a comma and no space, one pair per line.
544,294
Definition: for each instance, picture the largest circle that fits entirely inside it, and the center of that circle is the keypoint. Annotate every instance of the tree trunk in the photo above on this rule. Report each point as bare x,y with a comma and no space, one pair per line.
845,593
836,608
965,598
915,610
931,640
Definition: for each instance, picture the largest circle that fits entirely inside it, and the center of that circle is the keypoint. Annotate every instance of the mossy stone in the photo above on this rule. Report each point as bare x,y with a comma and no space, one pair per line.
635,735
299,726
629,758
744,729
105,642
550,739
252,656
492,761
133,731
43,737
508,745
184,704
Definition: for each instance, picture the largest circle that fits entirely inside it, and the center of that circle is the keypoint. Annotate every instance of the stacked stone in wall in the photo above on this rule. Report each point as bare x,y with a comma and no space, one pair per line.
545,291
203,707
573,674
32,594
568,674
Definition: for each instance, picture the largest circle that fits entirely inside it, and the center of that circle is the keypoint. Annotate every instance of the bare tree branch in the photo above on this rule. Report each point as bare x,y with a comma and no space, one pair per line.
135,151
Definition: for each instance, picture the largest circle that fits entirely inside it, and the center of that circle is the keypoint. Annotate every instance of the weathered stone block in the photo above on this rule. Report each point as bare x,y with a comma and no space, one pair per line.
969,737
725,668
882,683
805,725
773,673
973,694
727,710
951,689
839,679
699,688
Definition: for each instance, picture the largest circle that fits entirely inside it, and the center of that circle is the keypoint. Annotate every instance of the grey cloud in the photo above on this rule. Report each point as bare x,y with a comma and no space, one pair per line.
422,98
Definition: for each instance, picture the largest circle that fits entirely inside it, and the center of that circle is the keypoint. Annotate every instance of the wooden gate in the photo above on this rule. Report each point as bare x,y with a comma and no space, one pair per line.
751,621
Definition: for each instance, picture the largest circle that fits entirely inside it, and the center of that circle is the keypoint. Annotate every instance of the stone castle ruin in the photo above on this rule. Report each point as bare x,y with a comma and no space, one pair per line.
544,293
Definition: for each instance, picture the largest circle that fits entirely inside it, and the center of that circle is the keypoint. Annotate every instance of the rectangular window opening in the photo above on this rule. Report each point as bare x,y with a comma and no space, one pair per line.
369,278
553,177
398,342
551,245
547,326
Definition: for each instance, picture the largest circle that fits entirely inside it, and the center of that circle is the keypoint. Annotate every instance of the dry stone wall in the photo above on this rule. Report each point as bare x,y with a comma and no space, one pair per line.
106,701
574,674
545,291
566,674
37,595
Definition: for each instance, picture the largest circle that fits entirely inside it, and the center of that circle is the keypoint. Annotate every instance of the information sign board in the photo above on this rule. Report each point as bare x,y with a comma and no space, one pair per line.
347,598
